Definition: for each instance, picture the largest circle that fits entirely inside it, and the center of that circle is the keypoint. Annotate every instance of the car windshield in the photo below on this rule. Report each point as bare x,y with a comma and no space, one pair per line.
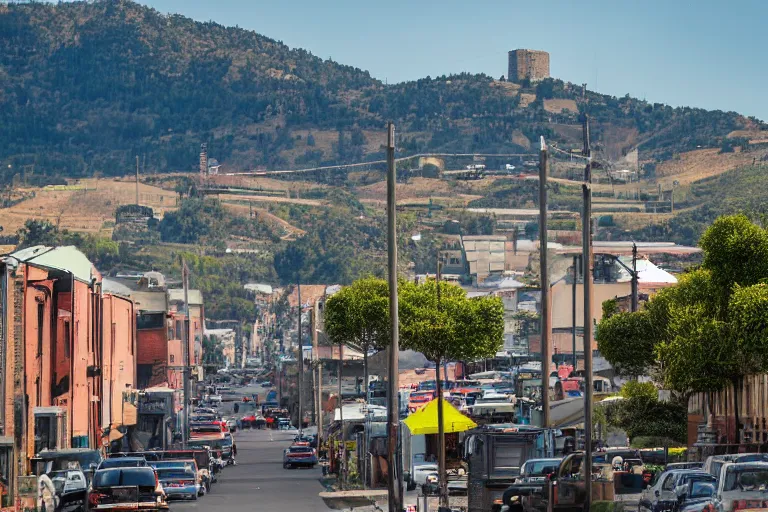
174,473
702,489
753,479
540,467
143,477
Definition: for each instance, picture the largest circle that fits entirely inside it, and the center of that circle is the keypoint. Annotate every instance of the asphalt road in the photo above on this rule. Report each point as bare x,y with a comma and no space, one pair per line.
259,482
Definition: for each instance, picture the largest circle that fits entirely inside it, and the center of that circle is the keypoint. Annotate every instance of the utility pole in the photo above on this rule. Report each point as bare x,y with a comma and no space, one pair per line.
588,278
441,477
395,480
319,366
634,277
546,339
573,307
313,361
301,358
343,468
184,347
137,180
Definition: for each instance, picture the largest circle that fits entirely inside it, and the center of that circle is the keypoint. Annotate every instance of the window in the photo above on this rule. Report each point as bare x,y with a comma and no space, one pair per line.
67,338
149,321
669,483
172,358
40,321
179,333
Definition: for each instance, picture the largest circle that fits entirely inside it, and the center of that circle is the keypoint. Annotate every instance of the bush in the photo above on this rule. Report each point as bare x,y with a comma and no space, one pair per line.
607,506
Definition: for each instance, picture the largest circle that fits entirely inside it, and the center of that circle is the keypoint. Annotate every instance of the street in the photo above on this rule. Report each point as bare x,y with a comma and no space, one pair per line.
259,482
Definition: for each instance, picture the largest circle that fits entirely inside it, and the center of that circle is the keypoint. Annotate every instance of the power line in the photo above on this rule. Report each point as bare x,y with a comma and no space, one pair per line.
377,162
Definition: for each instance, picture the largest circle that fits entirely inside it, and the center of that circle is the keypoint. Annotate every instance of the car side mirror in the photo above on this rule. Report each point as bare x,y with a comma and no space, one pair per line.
656,492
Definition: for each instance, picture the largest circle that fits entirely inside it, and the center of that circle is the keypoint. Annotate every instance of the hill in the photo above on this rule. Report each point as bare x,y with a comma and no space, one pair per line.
87,86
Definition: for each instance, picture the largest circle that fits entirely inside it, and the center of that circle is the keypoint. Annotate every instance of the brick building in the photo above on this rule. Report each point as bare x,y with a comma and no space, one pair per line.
67,353
530,65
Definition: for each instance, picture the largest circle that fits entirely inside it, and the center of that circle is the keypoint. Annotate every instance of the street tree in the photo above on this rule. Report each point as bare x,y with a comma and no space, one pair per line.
708,332
441,322
358,316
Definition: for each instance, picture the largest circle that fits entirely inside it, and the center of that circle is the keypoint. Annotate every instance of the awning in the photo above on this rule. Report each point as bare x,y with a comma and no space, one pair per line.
425,420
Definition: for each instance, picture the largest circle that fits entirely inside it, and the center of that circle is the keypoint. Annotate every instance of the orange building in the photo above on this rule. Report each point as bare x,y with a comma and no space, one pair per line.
67,353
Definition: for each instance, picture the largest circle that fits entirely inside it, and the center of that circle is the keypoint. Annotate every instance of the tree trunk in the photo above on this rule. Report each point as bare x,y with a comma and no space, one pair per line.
441,476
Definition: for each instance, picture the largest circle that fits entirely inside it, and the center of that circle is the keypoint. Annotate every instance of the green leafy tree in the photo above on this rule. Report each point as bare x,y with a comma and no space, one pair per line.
358,315
623,339
452,328
708,331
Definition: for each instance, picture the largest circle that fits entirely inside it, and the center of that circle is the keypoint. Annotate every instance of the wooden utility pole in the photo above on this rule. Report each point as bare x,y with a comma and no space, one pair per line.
573,307
184,347
301,359
441,476
342,433
318,366
395,480
546,338
588,278
137,180
634,277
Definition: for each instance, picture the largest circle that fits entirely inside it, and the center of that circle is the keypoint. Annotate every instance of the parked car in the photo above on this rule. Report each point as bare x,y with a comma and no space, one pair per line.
697,496
179,482
118,489
741,485
123,462
61,491
714,464
661,496
299,456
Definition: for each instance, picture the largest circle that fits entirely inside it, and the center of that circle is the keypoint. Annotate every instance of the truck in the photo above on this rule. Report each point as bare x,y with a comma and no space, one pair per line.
495,455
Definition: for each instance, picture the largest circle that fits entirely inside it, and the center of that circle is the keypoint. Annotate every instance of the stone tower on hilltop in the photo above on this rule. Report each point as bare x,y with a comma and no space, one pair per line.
528,64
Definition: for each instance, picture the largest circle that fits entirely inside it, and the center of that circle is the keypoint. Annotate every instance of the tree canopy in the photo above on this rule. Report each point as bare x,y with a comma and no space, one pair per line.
459,328
709,331
358,315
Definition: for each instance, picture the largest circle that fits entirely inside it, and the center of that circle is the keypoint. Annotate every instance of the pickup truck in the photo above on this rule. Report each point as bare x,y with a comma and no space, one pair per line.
741,486
530,488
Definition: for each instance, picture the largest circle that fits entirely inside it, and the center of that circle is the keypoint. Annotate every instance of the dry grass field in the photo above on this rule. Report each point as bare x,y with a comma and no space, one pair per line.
85,205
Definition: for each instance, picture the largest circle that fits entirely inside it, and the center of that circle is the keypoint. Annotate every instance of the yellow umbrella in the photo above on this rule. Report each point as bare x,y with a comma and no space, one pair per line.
424,421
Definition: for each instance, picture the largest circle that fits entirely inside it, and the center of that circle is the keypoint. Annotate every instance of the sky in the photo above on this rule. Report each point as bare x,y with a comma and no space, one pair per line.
703,53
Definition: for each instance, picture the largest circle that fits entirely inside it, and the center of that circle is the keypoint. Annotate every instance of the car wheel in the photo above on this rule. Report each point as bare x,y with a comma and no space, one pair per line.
194,497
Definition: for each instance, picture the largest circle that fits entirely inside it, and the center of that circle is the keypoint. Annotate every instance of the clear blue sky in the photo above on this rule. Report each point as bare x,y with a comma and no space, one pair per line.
707,53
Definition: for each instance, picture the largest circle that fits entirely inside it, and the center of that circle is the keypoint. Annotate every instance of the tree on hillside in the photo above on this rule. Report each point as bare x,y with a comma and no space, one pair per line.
452,327
708,331
358,316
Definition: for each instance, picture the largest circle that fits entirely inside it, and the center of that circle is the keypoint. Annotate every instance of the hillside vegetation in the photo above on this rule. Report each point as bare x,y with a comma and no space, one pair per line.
87,86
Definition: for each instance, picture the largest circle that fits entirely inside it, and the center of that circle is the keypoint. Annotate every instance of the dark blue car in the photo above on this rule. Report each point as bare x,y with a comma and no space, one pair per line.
299,456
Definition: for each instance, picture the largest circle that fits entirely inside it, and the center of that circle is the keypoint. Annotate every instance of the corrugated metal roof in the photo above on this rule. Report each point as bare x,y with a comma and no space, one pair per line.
109,285
177,295
66,259
258,288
